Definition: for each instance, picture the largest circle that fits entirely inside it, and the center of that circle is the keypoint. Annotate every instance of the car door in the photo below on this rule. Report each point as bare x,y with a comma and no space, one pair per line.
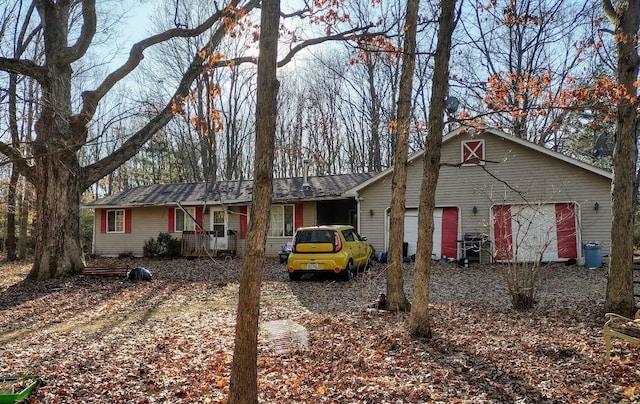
355,246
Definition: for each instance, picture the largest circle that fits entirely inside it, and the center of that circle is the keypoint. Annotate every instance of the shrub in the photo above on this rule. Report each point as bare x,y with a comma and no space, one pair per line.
164,246
151,248
170,246
521,279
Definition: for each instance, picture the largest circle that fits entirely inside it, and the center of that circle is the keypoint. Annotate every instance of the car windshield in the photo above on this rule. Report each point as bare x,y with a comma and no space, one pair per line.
315,236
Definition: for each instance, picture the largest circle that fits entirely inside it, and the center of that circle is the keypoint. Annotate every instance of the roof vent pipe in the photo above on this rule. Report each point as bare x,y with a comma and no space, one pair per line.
305,173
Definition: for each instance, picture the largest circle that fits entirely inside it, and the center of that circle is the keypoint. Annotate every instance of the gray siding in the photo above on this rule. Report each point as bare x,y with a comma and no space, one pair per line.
513,174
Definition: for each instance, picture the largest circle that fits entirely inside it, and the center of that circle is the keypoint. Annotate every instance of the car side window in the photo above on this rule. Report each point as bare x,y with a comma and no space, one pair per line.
349,235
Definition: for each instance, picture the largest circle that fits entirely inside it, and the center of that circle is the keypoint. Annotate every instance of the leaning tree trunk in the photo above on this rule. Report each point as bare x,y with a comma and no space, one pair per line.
419,320
396,299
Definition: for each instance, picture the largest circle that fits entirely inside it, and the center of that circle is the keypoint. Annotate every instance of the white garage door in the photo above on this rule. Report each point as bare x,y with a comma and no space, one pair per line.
545,232
444,234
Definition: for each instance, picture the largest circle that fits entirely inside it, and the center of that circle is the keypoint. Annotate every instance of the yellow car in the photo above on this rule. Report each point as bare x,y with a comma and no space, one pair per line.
325,249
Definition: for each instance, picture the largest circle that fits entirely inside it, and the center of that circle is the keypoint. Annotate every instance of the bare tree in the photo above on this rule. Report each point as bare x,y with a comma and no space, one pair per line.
62,126
244,371
520,55
396,299
24,40
625,19
419,319
56,173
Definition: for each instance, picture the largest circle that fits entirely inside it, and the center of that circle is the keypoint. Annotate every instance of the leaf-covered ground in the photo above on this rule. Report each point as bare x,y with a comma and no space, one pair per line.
105,339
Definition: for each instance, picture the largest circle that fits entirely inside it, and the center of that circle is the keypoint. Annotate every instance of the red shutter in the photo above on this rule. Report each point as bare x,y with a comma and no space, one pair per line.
449,246
127,220
299,216
566,230
172,220
103,220
243,222
199,226
502,232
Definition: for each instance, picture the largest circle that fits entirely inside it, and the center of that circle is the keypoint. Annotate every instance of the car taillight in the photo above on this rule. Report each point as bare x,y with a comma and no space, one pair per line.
293,248
338,242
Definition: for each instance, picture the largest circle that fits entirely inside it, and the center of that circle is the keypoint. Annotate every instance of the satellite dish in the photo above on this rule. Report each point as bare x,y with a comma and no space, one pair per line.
452,104
600,148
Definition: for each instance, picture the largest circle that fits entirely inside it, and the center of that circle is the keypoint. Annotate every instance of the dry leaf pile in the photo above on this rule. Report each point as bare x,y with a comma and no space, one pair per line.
106,339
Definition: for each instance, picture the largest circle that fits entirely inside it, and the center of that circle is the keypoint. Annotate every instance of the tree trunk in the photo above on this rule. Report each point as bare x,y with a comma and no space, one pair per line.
375,158
25,207
57,223
396,299
57,170
10,241
419,320
620,297
244,371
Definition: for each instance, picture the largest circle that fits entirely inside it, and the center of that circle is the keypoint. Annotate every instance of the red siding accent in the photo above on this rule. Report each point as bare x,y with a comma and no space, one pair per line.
103,220
449,232
172,220
243,222
502,232
199,210
127,220
566,230
299,216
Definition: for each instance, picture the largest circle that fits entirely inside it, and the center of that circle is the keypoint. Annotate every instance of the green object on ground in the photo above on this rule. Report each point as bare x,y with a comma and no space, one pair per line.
24,385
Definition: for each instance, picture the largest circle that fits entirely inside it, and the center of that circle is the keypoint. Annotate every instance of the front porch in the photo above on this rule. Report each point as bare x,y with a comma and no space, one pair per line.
201,243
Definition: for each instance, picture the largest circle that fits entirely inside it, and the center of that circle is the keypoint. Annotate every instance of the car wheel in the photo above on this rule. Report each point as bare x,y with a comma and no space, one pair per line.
349,272
294,276
371,260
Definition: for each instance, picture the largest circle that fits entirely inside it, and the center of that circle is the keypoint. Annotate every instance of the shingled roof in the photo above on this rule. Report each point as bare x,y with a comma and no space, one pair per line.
233,192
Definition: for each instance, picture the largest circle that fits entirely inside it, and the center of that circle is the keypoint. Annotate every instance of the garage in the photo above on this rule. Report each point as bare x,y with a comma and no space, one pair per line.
445,234
538,232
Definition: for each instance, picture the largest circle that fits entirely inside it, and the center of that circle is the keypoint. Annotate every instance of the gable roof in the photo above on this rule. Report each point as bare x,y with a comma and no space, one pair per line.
232,192
501,134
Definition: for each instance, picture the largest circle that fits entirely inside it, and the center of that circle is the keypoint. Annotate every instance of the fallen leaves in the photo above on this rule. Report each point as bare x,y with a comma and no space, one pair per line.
100,340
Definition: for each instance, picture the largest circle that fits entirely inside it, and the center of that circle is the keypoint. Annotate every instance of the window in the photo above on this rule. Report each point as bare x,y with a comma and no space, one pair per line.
350,235
473,152
115,221
183,221
281,221
218,223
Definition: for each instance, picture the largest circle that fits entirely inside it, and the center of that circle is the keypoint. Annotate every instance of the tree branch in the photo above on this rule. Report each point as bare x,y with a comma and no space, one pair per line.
136,55
75,52
99,169
610,12
24,67
18,161
315,41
